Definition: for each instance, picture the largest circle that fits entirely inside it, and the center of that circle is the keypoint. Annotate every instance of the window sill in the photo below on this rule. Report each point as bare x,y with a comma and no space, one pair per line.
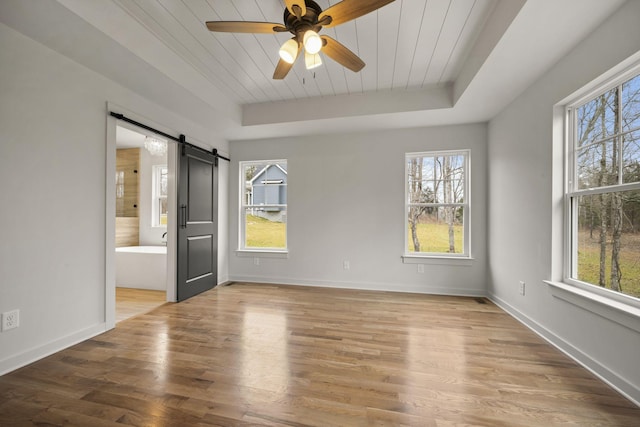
437,260
620,312
262,253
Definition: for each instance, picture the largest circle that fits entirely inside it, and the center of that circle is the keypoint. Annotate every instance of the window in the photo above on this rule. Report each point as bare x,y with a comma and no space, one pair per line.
159,194
263,212
437,204
602,198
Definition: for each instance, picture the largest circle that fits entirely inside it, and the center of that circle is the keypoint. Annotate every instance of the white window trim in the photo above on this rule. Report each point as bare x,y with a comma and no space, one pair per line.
242,250
447,259
615,306
262,253
610,307
444,258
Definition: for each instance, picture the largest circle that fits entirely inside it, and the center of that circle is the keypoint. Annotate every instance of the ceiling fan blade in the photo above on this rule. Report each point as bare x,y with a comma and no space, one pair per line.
245,27
296,7
282,69
339,53
347,10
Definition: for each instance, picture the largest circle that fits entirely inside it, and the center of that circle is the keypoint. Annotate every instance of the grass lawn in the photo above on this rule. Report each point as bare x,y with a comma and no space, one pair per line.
589,262
435,238
262,233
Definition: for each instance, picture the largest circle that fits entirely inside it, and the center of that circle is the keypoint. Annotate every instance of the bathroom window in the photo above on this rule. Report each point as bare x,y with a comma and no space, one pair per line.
159,208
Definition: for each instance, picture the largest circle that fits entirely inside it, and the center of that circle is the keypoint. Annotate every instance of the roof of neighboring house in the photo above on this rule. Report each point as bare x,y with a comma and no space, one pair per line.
263,170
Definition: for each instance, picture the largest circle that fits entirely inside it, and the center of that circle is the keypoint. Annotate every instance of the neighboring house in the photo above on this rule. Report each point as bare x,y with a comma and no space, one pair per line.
267,190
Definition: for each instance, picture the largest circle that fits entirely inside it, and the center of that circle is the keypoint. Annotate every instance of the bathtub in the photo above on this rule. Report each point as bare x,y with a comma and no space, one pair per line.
142,267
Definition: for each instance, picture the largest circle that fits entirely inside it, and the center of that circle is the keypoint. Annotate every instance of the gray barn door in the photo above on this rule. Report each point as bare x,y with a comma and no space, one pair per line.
197,222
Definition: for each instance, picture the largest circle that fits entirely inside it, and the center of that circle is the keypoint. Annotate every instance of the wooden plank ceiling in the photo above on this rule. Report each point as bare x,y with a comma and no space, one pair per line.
408,44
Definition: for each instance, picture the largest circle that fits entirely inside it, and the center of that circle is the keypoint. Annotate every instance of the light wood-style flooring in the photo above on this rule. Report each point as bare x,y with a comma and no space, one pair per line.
133,302
250,354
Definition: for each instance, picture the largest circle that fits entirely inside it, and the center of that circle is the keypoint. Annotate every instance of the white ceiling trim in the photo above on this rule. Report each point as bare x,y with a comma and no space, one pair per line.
348,105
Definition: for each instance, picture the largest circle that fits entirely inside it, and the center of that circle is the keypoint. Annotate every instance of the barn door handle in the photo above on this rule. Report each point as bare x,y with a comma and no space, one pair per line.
183,212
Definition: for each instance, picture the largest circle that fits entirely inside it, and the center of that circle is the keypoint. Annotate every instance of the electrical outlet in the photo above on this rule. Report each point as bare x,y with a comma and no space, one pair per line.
420,268
10,320
521,287
346,265
256,261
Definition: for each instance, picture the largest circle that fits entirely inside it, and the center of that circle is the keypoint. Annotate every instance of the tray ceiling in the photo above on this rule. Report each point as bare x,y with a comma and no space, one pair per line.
428,62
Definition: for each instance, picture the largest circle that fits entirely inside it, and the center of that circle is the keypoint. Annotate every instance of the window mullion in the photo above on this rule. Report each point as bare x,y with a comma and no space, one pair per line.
573,237
571,148
619,133
607,189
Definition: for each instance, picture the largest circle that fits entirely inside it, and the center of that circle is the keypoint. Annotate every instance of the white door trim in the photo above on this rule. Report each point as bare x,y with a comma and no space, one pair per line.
110,220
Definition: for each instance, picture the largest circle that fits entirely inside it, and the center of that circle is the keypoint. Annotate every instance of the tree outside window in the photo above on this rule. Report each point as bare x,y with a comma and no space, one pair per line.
603,196
437,203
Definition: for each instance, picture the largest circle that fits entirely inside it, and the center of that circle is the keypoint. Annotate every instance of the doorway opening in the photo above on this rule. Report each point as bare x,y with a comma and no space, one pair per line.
144,188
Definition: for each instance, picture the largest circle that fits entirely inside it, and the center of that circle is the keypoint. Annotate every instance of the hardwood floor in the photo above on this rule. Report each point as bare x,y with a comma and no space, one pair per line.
132,302
270,355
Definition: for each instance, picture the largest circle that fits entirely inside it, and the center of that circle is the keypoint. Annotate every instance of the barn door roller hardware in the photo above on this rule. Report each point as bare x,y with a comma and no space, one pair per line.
181,139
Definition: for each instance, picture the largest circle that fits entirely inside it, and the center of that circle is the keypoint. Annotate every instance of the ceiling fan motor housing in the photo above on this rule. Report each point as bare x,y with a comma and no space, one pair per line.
309,21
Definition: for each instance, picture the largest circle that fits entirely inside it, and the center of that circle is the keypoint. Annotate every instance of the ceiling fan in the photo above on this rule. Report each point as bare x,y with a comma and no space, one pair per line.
304,19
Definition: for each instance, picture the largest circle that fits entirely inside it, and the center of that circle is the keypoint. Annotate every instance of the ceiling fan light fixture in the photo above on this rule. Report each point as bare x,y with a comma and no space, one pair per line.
312,61
289,51
312,42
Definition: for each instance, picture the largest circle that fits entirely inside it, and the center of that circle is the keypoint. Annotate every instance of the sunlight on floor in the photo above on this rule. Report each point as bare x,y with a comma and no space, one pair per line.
133,302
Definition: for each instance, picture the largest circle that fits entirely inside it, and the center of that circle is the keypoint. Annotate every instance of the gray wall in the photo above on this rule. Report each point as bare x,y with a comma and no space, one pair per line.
346,203
525,206
53,118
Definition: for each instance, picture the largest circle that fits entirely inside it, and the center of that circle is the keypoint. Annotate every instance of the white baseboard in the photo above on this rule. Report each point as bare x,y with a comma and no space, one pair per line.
365,286
14,362
620,384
